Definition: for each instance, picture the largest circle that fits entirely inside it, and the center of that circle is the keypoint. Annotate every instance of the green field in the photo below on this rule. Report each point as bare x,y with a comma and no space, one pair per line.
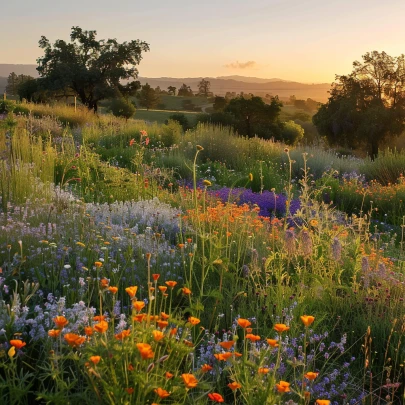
161,116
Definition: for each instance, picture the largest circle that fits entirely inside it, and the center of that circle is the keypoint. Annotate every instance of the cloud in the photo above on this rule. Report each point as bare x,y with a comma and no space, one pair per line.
241,65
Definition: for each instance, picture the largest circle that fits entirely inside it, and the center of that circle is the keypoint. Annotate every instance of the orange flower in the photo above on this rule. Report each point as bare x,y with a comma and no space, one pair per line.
322,402
307,319
236,354
234,386
131,291
162,393
104,283
54,333
181,245
60,321
156,276
74,340
113,290
129,390
169,375
272,342
189,380
171,284
131,142
162,324
263,370
88,330
194,321
98,264
131,367
145,350
173,331
280,327
139,318
249,330
186,291
18,344
101,327
138,305
252,338
188,343
283,386
162,288
99,318
243,323
189,240
223,356
227,345
122,335
205,368
311,376
158,335
216,397
95,359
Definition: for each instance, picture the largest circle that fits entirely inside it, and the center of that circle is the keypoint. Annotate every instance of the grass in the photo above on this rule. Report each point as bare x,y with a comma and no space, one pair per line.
162,116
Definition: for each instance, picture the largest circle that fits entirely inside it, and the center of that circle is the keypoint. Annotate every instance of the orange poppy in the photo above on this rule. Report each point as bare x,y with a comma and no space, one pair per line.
223,356
104,283
263,370
272,342
95,359
74,340
131,291
98,264
164,316
194,321
322,402
113,290
162,324
54,333
169,375
173,331
205,368
186,291
60,321
234,386
311,376
88,330
171,284
131,367
156,276
129,390
244,323
18,344
157,335
252,338
228,344
138,305
99,318
139,318
162,288
101,327
249,330
145,350
216,397
307,319
280,327
122,335
188,343
237,354
283,386
162,393
189,380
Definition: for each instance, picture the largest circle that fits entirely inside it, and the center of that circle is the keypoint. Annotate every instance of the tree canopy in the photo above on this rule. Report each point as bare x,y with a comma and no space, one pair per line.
91,68
366,106
14,82
204,88
185,91
148,97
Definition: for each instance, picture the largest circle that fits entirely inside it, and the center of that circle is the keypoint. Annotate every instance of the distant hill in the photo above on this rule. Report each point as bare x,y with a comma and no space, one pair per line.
219,85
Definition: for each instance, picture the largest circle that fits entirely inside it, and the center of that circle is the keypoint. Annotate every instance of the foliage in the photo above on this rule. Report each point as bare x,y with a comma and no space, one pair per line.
182,120
14,82
120,107
185,91
148,97
291,133
88,68
204,88
367,106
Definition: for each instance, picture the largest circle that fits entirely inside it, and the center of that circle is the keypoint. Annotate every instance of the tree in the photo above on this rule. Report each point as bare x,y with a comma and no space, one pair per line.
367,106
204,88
291,133
14,81
185,91
91,69
148,97
220,103
122,108
255,117
171,90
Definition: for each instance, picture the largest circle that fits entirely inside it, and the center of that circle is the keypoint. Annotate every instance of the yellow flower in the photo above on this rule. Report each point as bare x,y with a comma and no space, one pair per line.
131,291
250,177
307,319
207,183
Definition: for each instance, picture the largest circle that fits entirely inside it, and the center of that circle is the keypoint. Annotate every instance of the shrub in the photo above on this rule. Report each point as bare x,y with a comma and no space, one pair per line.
120,107
181,119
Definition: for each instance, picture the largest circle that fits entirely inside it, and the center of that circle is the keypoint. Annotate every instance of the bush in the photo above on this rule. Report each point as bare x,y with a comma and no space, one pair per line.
181,119
291,133
171,133
7,106
120,107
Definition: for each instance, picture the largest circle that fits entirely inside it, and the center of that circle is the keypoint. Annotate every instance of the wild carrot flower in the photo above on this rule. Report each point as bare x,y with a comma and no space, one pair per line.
244,323
101,327
280,327
205,368
145,350
189,380
311,375
216,397
18,344
95,359
60,321
234,385
283,386
157,335
228,344
162,393
138,305
307,320
54,332
131,291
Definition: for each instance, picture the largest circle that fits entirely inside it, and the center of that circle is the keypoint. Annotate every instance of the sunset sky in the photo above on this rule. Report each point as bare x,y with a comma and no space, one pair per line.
302,40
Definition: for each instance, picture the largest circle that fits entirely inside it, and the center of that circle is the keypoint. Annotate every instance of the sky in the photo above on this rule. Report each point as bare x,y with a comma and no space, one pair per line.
302,40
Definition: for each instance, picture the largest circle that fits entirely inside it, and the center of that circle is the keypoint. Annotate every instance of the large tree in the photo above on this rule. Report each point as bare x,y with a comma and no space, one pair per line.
204,88
91,68
148,97
185,91
367,106
14,81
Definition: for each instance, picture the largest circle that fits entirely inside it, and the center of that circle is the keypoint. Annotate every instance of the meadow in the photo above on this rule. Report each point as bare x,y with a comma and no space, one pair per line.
143,265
